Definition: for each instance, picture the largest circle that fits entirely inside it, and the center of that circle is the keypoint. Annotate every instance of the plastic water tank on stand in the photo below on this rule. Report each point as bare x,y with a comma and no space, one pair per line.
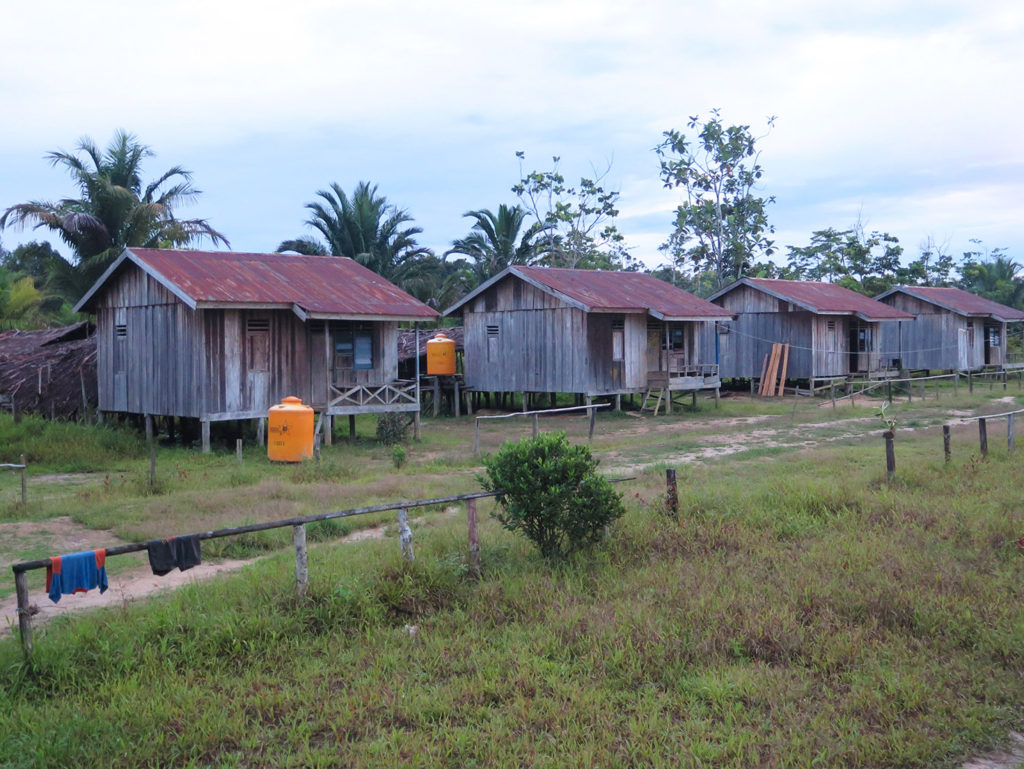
440,356
290,431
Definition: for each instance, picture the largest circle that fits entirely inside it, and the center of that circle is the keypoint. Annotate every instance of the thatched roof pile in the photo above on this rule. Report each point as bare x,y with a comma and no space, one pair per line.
407,341
50,372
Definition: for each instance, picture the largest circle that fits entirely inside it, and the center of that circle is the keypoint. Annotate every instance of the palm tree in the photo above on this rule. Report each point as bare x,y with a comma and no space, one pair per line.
364,227
494,243
115,209
998,278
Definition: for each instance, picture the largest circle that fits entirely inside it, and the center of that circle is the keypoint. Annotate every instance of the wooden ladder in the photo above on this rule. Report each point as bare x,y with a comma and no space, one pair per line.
647,396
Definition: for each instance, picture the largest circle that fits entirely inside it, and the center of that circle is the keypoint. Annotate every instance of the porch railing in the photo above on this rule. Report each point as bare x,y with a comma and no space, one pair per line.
401,392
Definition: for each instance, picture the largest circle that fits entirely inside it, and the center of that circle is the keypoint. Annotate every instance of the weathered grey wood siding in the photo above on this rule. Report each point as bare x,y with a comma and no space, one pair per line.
819,344
763,320
243,377
521,339
938,339
157,356
149,349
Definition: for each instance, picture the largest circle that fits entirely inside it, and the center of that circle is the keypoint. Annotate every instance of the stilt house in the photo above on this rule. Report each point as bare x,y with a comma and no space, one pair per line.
954,329
219,336
590,332
832,331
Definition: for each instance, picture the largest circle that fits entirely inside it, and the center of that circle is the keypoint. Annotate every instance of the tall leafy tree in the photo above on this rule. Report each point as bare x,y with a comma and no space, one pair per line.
367,228
579,219
862,261
497,241
722,224
115,209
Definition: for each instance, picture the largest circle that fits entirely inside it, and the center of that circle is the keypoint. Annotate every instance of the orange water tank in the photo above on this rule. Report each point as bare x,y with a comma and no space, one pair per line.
440,356
290,431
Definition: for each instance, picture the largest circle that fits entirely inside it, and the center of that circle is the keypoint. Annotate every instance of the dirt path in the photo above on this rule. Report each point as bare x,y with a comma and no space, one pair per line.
764,432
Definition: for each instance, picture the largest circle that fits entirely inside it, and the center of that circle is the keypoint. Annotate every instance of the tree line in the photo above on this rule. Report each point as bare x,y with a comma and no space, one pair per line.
720,230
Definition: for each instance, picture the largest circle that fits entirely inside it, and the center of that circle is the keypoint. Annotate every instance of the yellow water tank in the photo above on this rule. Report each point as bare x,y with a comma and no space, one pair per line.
290,431
440,356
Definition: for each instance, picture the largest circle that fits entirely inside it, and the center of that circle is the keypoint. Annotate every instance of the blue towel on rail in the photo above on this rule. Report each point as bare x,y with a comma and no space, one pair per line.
76,573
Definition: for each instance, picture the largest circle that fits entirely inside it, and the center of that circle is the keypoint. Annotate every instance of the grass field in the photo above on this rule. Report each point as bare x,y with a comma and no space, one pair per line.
801,611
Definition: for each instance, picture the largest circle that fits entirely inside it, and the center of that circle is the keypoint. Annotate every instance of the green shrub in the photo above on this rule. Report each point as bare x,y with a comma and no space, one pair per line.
399,456
391,428
551,493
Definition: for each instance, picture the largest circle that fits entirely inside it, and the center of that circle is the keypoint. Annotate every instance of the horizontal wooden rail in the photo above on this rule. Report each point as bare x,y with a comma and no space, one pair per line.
591,407
298,524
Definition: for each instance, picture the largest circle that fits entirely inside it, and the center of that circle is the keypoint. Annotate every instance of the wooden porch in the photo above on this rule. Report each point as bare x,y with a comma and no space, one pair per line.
399,395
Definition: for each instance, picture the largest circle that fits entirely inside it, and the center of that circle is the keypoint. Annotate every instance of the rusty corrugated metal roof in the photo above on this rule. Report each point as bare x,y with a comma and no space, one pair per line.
318,285
960,301
825,298
610,291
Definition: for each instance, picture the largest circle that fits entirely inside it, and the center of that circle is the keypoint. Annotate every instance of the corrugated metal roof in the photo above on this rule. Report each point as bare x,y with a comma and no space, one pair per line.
319,285
826,298
609,291
962,302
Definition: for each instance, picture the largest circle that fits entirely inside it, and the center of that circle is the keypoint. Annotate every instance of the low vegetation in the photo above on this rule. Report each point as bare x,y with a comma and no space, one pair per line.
801,611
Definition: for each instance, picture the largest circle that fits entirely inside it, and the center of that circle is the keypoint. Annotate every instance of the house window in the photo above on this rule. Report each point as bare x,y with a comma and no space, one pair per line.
861,339
993,336
353,348
257,344
618,340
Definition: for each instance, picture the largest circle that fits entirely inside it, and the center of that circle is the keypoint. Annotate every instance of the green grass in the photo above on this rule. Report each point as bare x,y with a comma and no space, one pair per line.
800,611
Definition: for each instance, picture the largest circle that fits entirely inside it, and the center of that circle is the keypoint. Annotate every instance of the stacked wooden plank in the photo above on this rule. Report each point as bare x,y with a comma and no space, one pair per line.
773,371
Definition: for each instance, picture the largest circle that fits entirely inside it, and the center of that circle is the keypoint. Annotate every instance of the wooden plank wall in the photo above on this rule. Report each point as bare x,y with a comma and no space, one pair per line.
932,340
155,367
546,345
174,361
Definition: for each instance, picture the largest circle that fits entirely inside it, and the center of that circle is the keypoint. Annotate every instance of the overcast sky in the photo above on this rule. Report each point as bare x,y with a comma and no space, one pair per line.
906,118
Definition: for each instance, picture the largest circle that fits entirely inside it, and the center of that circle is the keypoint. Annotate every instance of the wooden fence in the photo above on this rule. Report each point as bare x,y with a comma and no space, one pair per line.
298,525
983,421
24,480
591,407
299,538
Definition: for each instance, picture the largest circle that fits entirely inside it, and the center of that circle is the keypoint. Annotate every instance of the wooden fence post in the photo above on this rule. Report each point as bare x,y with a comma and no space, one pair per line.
983,437
405,534
832,391
24,481
672,491
593,419
1011,441
301,560
24,614
238,449
316,447
945,441
970,382
956,384
474,540
888,389
261,431
476,437
152,465
890,456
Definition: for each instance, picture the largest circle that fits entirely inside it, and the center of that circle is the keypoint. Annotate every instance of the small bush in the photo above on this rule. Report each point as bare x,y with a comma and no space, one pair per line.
392,428
551,493
399,456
